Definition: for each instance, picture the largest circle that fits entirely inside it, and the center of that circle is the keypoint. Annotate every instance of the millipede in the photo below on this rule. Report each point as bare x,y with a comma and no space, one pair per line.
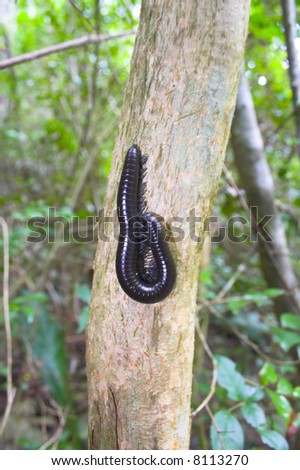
145,266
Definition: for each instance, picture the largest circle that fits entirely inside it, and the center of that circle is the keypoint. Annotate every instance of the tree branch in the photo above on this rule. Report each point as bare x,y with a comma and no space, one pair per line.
11,390
215,371
290,28
64,46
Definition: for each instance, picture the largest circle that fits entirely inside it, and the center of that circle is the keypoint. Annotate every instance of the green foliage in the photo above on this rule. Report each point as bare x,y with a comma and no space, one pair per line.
246,398
268,374
57,113
286,339
234,382
273,439
254,415
289,334
231,432
288,320
281,404
48,350
284,387
84,294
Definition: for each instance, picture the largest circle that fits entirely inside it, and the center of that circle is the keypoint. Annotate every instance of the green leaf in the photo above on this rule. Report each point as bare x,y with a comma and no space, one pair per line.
254,415
286,339
230,379
83,319
17,135
284,387
255,296
281,404
83,292
236,305
28,304
205,277
288,320
273,292
258,297
252,394
38,297
232,436
273,439
296,392
49,351
268,374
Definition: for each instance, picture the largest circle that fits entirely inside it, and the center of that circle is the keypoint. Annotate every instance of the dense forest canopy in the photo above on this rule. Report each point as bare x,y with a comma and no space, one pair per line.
59,119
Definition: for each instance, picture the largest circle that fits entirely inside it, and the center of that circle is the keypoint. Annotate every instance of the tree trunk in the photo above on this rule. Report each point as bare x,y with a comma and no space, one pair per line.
290,28
256,179
178,107
7,25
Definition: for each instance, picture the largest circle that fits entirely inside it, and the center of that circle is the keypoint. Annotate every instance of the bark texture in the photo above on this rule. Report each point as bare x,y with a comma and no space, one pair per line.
290,27
178,107
7,25
256,179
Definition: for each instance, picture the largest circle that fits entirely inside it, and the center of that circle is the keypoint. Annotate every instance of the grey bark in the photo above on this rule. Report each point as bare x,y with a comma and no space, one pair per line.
256,179
290,27
63,46
7,23
178,107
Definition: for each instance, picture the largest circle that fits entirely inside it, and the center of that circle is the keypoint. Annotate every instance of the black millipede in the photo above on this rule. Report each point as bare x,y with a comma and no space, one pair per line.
144,263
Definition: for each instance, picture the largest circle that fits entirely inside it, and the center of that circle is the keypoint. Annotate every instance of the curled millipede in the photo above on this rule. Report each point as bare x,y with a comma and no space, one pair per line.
144,263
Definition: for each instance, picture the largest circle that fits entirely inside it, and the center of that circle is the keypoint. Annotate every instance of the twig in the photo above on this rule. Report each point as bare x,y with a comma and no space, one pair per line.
218,430
261,353
241,267
64,46
236,406
72,203
58,432
245,338
273,135
80,12
92,87
251,382
290,291
11,390
215,371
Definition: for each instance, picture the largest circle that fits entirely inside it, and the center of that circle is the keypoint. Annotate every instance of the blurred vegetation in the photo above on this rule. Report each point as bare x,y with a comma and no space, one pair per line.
59,119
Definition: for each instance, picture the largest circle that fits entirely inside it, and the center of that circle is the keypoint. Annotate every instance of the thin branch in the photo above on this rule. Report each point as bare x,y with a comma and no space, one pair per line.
91,80
237,406
81,14
215,371
272,137
214,423
60,429
84,172
241,267
225,300
11,390
289,290
64,46
244,338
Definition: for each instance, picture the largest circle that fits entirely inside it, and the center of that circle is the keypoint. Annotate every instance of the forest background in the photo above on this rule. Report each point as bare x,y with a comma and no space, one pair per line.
59,119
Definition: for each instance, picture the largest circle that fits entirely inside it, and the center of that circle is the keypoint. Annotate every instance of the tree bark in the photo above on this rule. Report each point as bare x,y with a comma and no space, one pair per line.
178,107
290,28
7,24
256,179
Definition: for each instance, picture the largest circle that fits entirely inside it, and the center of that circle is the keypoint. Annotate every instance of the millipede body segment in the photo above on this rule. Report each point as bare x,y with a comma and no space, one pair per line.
144,263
